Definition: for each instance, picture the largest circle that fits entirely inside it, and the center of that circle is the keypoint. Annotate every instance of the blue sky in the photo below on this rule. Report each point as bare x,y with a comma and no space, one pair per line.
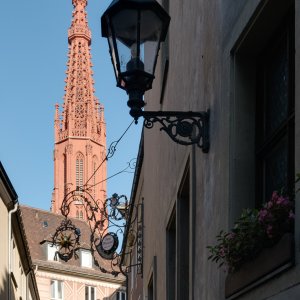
33,56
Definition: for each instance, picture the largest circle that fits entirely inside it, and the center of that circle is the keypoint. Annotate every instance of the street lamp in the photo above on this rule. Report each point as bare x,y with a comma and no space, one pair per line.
134,30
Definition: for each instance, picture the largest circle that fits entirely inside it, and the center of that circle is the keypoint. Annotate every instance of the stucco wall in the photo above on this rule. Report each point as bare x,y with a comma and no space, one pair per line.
73,286
201,76
3,250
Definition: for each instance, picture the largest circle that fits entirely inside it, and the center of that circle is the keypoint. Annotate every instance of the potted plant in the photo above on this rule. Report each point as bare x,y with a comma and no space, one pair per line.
259,244
253,231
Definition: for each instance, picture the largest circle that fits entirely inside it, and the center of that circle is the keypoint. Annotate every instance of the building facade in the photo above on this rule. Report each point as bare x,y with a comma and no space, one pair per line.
80,132
79,171
240,61
17,277
77,279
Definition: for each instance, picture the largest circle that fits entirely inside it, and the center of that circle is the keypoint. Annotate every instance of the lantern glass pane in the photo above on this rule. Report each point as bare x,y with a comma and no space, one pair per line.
125,55
125,27
151,27
112,48
113,55
148,55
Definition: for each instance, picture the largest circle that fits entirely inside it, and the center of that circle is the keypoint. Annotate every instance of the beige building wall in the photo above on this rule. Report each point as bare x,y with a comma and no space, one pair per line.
3,250
74,286
207,41
17,279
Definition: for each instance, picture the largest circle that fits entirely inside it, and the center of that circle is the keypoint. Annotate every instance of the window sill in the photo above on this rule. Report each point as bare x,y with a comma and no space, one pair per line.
270,262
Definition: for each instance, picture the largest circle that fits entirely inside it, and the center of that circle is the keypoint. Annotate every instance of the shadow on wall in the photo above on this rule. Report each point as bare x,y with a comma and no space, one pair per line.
4,286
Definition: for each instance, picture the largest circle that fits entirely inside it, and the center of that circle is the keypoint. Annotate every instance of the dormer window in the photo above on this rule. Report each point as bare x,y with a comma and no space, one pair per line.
86,258
51,252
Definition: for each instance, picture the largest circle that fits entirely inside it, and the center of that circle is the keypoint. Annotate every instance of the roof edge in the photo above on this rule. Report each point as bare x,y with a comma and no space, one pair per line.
8,185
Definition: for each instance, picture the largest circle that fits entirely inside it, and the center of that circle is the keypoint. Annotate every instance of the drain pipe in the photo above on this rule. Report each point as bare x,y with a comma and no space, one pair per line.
9,246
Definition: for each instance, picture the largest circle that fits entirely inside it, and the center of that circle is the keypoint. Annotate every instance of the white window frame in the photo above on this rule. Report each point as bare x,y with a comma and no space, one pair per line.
51,252
56,285
89,295
86,258
120,294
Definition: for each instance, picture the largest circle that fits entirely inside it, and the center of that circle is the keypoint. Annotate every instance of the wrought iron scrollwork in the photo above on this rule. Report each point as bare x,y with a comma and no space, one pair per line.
184,128
105,231
66,238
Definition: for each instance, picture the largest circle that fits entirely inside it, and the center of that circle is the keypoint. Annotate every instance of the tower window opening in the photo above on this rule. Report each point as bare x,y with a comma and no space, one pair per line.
79,172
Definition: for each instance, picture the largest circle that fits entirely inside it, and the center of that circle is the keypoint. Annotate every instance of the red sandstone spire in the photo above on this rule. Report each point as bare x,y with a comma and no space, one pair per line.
80,133
81,116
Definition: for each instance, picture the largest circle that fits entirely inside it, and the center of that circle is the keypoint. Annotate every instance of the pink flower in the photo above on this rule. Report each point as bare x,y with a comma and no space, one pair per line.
231,235
269,204
282,201
274,197
291,215
262,215
269,231
222,252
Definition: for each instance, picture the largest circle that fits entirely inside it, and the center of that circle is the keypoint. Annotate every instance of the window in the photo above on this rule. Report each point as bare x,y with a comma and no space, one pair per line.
262,124
171,257
65,175
86,258
179,245
275,115
51,252
90,293
262,108
150,289
56,290
79,170
121,295
95,165
183,242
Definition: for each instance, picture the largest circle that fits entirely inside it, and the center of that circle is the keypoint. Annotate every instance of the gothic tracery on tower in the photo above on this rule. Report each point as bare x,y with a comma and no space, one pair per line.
80,132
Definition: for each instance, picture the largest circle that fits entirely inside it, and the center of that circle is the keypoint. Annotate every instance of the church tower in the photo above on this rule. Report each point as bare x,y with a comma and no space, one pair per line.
80,132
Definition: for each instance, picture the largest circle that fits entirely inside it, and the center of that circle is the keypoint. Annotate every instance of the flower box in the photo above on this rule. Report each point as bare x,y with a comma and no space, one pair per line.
269,262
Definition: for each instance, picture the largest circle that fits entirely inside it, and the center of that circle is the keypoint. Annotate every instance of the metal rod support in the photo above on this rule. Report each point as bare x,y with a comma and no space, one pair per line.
184,128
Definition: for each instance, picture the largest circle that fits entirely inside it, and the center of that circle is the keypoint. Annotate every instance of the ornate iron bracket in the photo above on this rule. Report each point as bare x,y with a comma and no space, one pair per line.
104,231
184,128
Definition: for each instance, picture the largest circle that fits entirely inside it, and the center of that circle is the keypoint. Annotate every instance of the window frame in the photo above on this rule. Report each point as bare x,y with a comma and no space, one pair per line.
56,283
84,254
245,48
120,295
51,250
265,144
79,167
88,292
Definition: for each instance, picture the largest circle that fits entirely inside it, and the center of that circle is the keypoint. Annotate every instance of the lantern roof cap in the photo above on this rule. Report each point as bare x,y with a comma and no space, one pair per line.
118,5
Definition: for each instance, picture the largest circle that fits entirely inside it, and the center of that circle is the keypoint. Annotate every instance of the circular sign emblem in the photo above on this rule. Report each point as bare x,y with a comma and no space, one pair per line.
108,242
108,245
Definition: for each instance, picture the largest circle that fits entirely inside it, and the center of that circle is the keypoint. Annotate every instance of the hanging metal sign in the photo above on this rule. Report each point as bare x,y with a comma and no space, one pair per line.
108,245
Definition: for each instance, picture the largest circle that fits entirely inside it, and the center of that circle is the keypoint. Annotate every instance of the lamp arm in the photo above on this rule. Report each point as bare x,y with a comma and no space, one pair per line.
184,128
